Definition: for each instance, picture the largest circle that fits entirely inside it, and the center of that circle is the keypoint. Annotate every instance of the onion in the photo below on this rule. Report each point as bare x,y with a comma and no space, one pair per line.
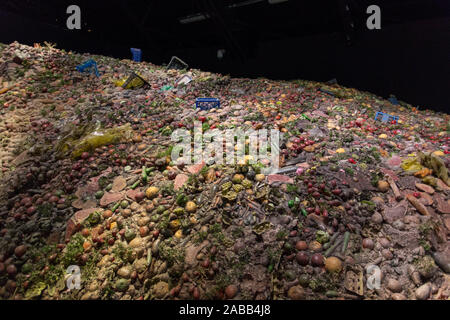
368,244
171,175
205,263
107,214
317,260
11,270
85,232
139,196
302,258
336,192
301,245
53,199
26,202
231,291
20,250
84,258
11,286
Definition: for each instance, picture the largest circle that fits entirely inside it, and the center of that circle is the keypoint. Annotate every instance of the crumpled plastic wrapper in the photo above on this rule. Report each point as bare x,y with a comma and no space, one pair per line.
90,139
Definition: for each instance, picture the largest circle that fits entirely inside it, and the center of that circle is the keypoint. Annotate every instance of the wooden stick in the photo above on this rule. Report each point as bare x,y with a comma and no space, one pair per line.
418,205
398,195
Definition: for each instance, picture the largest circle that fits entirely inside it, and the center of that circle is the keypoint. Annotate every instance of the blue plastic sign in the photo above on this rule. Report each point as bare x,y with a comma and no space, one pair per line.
386,117
137,54
207,103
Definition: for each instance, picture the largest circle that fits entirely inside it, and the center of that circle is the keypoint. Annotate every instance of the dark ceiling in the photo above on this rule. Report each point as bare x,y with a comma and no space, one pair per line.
289,39
236,25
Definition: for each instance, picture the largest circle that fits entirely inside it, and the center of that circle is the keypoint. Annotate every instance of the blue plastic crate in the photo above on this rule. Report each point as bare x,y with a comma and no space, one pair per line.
207,103
394,101
89,66
137,54
386,117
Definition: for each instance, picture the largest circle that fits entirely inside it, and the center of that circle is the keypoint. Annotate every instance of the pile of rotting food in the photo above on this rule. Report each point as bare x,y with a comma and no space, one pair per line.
359,208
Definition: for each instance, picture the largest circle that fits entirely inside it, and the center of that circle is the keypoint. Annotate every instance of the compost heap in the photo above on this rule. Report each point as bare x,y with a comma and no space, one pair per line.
87,181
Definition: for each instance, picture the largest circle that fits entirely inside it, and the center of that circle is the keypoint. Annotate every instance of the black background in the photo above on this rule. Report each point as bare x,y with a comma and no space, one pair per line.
354,309
313,40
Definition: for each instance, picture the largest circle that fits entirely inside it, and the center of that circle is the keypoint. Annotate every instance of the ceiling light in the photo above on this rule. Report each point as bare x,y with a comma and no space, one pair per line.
194,18
276,1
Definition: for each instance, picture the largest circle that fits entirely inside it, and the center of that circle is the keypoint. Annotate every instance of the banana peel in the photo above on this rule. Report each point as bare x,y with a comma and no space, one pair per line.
426,164
411,165
87,139
436,164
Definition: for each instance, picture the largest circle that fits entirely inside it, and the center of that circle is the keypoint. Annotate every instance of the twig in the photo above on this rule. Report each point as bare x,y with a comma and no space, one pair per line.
331,249
398,195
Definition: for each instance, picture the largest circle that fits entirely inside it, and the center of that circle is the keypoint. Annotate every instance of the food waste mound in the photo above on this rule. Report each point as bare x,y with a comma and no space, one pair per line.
93,205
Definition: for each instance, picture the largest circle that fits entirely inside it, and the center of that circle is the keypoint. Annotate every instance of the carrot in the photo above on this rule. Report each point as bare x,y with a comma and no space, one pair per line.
419,206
